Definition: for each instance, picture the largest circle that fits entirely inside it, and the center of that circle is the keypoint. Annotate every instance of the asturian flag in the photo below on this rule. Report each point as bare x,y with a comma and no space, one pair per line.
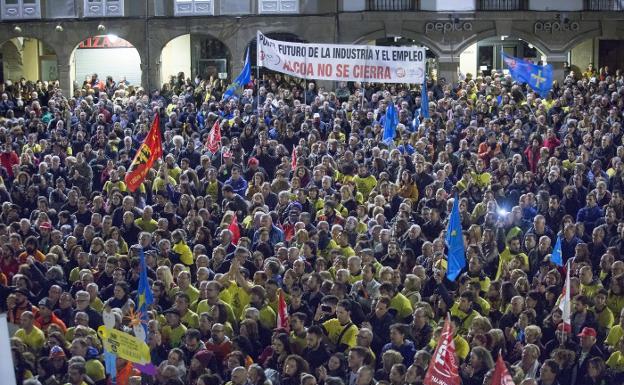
538,77
243,78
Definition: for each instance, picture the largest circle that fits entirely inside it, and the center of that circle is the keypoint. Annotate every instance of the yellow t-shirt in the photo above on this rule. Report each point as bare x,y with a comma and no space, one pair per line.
591,289
462,348
505,257
237,297
334,330
615,335
149,226
173,335
616,362
190,319
119,185
402,305
605,318
34,340
615,303
204,307
267,318
466,318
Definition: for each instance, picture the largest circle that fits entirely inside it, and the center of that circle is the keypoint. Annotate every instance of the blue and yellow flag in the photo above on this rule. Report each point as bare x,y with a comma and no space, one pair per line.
144,293
424,100
540,78
455,242
391,120
243,78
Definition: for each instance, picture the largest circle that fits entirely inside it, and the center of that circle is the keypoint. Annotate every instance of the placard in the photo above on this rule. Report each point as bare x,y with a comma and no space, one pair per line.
343,62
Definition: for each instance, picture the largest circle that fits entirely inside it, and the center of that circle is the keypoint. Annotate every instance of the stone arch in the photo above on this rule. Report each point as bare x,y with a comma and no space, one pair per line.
129,57
191,59
417,37
43,66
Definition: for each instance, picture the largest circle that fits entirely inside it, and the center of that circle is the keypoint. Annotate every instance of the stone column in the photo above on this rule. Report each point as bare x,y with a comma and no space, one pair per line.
557,60
447,68
64,75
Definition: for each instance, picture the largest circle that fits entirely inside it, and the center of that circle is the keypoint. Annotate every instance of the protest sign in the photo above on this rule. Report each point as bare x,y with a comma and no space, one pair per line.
124,345
343,62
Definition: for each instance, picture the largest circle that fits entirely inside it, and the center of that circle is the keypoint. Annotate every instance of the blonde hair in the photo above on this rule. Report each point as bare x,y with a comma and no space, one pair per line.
167,276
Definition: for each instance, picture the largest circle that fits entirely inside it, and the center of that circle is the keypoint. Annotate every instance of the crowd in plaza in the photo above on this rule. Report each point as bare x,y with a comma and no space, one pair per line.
304,200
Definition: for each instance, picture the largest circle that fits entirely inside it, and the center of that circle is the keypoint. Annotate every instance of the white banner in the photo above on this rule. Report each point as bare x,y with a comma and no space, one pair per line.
342,62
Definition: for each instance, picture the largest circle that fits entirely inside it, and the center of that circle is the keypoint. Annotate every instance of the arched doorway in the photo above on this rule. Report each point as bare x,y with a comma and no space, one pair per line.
484,56
29,58
195,55
106,55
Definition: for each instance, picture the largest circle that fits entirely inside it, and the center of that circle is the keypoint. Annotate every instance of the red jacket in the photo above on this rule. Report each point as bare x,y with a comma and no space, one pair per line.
43,325
8,160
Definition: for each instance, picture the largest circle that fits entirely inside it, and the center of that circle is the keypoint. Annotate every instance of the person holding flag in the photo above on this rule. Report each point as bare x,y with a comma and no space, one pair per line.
501,374
241,80
538,77
213,143
455,242
443,368
391,120
149,151
145,298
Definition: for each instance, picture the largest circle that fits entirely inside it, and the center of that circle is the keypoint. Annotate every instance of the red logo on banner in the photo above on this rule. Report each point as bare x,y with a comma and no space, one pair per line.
443,368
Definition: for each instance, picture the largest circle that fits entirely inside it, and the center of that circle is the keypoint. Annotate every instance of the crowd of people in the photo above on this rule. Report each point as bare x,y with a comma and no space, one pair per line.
303,200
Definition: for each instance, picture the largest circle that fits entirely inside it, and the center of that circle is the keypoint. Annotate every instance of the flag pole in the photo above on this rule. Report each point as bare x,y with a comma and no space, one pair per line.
257,82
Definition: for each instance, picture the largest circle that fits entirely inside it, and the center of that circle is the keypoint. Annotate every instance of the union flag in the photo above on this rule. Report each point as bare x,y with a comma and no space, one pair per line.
443,368
501,375
282,312
214,138
150,150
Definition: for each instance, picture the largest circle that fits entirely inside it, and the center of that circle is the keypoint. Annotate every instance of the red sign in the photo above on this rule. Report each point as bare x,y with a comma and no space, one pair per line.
104,41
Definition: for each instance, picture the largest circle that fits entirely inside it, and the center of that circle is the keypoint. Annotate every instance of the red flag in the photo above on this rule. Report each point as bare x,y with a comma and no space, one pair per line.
293,162
214,138
501,375
282,312
150,150
443,368
233,227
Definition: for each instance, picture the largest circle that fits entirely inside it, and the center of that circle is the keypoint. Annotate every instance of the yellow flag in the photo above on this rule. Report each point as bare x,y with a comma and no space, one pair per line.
125,345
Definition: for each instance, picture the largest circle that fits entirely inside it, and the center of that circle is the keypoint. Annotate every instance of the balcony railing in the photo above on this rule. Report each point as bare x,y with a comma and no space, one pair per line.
502,5
604,5
391,5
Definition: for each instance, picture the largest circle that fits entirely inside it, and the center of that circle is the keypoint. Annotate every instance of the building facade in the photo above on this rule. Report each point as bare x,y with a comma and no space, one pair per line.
46,38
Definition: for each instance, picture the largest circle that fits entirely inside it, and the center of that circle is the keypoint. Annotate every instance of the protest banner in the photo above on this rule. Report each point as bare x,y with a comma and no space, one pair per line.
124,345
343,62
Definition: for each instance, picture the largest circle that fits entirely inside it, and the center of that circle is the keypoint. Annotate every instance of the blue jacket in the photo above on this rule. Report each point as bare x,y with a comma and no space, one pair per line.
239,186
589,216
407,350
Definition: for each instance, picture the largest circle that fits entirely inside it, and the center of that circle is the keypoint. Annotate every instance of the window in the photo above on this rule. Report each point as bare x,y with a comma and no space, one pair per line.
107,8
278,6
21,9
193,7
